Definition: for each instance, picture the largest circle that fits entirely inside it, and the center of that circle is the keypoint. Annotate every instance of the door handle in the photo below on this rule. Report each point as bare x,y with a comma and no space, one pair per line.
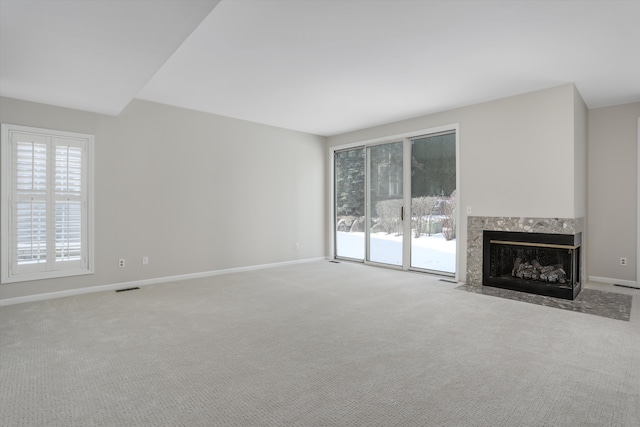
401,213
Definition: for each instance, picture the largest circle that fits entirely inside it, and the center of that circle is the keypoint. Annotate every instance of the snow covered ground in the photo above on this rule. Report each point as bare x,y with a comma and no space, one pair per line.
428,252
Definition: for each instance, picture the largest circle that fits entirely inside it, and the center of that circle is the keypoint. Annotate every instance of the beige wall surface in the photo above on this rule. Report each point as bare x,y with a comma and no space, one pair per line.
197,192
192,191
580,163
516,155
613,191
580,158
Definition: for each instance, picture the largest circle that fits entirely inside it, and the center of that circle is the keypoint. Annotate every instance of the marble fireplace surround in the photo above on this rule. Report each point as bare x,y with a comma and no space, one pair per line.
477,224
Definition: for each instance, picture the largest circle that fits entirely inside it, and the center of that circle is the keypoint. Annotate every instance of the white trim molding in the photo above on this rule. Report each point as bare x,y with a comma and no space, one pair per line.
613,281
146,282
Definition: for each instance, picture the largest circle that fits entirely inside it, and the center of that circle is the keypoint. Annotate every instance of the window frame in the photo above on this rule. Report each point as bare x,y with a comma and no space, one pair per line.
54,269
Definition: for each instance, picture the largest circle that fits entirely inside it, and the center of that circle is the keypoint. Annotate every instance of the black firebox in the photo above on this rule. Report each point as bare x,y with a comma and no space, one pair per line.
538,263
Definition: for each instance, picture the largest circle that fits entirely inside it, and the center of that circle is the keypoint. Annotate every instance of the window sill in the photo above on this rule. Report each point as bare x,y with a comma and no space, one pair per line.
26,277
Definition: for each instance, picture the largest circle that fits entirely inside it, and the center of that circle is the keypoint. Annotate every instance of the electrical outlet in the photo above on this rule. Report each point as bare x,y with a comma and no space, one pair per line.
468,209
145,260
121,262
623,261
297,246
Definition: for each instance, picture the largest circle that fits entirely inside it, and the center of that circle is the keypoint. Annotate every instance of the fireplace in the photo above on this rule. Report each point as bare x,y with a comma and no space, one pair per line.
539,263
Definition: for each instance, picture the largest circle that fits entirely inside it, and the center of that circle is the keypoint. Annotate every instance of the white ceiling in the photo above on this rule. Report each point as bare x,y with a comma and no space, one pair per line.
323,67
92,55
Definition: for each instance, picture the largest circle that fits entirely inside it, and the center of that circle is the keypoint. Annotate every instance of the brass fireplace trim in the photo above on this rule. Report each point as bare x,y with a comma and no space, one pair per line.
537,245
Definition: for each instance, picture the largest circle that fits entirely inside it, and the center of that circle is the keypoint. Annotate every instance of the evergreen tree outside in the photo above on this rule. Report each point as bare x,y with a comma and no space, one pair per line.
349,187
433,166
385,165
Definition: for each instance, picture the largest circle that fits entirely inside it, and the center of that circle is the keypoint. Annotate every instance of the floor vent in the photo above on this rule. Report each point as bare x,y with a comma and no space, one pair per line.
335,262
127,289
448,281
627,286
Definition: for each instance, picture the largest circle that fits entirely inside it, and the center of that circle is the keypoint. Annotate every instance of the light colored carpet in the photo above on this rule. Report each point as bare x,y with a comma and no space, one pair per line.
317,344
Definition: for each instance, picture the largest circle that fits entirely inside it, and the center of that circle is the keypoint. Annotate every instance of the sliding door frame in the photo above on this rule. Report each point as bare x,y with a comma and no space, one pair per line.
367,211
457,213
406,248
334,201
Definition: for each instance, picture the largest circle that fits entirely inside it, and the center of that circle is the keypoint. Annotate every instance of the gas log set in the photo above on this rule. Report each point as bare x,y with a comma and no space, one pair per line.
535,271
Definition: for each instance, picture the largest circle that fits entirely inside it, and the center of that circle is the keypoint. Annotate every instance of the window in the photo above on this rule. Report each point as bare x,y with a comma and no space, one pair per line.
47,221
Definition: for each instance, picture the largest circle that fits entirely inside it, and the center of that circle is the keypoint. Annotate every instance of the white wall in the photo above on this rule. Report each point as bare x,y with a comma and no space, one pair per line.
580,180
613,192
580,156
193,191
516,155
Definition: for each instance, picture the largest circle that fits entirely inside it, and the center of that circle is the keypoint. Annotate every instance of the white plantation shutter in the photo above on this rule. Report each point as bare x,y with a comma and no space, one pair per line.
46,185
69,200
30,200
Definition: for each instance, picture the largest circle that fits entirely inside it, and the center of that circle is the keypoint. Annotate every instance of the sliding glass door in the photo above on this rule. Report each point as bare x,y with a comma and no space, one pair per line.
349,203
384,203
395,203
433,202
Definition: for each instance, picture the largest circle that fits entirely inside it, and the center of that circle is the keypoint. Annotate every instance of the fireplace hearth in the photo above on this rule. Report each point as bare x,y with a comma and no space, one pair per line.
538,263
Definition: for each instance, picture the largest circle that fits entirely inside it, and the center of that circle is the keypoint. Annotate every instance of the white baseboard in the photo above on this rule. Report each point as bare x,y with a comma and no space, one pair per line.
613,281
146,282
